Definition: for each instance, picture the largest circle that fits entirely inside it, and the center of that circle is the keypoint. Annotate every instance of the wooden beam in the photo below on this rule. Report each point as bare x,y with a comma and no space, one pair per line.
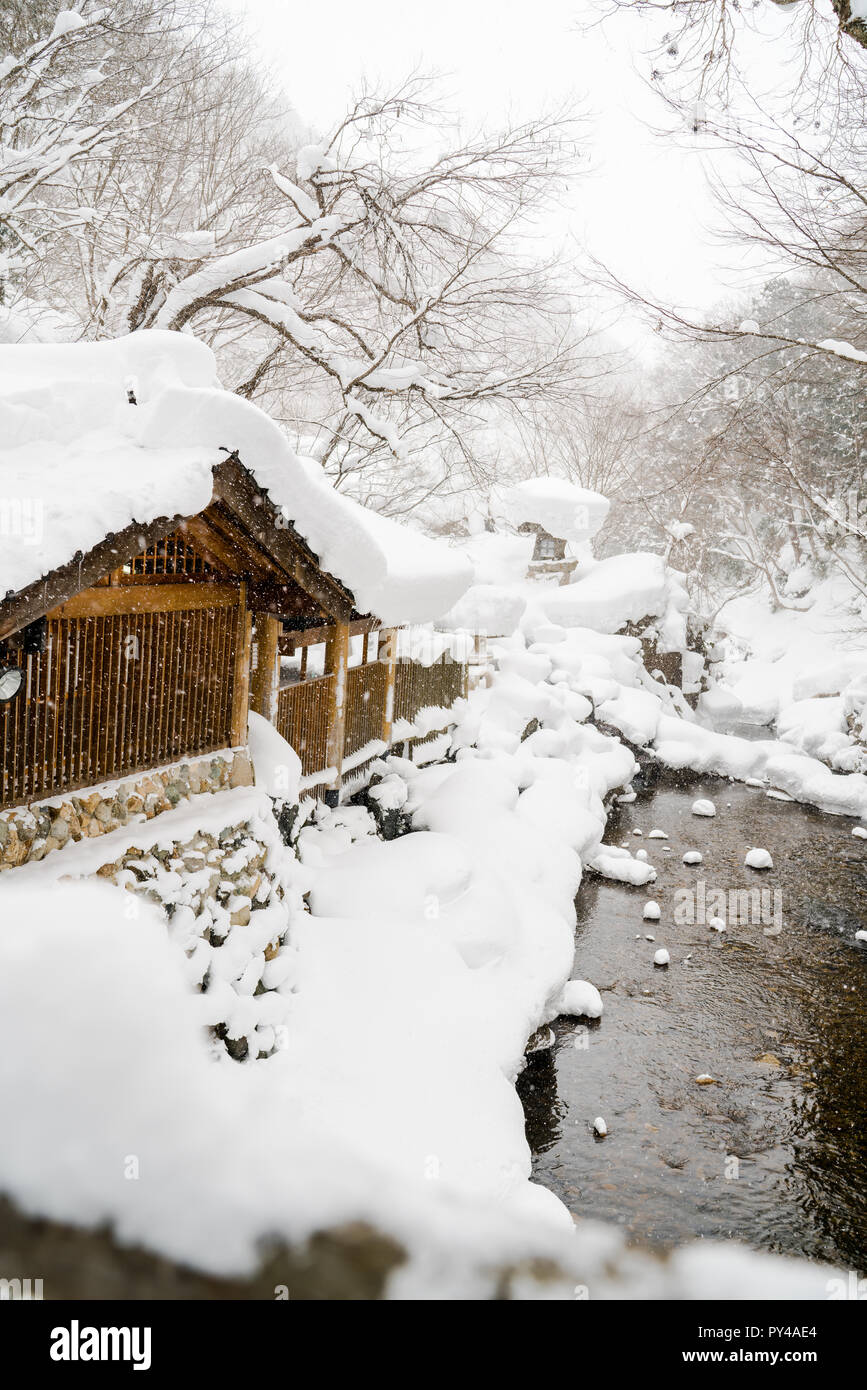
286,601
388,655
309,636
336,664
265,676
83,570
146,598
239,492
241,688
247,554
216,550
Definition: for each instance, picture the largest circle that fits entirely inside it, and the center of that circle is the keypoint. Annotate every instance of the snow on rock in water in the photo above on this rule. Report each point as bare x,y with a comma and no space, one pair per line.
600,1127
758,859
860,832
703,808
657,835
861,936
692,856
580,999
618,864
652,912
716,923
662,957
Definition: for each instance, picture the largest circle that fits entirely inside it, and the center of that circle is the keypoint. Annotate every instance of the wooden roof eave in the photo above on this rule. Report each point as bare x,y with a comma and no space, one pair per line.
82,571
253,512
238,490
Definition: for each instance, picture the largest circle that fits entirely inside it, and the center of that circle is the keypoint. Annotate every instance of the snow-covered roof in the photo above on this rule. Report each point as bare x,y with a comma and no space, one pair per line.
78,462
561,508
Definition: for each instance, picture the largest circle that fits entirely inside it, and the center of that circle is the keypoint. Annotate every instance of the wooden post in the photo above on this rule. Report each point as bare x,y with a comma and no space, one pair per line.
388,654
336,665
266,677
241,692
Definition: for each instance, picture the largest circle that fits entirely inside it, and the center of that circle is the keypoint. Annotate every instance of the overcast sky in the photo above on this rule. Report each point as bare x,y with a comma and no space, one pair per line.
644,209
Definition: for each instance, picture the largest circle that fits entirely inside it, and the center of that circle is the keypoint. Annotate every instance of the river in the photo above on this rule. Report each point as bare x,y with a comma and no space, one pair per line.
772,1151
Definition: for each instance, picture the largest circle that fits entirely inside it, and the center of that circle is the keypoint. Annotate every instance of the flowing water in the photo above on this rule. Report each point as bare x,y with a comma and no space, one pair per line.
773,1152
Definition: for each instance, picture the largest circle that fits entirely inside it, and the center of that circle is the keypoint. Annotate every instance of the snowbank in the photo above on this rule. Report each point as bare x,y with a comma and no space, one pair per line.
423,968
607,594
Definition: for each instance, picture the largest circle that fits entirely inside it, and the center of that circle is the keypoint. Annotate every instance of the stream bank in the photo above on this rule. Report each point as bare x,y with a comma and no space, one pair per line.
772,1151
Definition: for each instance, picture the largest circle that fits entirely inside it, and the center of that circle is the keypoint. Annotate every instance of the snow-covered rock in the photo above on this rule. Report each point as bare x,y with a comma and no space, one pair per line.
758,859
703,808
618,864
580,999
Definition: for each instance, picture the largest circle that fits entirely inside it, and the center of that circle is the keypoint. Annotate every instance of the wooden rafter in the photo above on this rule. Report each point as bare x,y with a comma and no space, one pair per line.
237,489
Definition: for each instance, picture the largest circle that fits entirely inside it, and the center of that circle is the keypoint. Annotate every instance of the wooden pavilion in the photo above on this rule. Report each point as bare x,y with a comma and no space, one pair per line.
151,647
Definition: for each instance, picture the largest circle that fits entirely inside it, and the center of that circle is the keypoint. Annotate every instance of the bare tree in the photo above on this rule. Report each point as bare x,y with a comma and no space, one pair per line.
393,295
66,97
700,37
379,290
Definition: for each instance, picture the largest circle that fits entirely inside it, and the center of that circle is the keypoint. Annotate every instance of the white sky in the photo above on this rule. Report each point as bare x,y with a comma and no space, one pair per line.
645,207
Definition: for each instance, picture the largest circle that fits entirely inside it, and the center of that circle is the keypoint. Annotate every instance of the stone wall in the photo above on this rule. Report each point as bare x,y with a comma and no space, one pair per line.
229,896
30,832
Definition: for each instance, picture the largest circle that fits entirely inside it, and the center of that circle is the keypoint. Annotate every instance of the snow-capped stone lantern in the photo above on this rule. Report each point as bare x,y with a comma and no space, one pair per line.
562,518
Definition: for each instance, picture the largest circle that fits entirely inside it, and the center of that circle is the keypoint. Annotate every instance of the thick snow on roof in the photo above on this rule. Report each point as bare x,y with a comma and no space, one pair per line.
78,461
561,508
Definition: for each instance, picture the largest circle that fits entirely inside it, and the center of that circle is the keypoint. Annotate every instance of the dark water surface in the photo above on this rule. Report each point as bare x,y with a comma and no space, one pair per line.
775,1154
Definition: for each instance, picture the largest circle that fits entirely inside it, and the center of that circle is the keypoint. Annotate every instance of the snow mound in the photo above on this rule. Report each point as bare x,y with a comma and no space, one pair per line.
618,864
489,608
758,859
276,765
623,589
580,999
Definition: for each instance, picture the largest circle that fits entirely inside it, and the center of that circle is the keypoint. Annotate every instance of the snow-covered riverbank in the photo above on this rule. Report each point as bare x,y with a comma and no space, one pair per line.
418,975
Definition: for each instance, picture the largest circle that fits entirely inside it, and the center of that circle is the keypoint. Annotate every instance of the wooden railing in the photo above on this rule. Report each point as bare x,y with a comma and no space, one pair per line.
365,705
117,694
417,687
302,708
302,719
